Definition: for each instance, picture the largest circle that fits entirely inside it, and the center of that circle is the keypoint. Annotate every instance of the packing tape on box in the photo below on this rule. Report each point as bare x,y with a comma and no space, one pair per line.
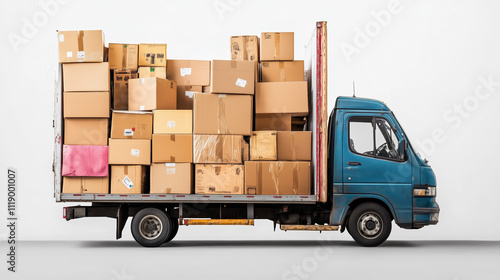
172,159
275,169
282,71
234,63
218,143
295,179
277,46
292,146
172,137
259,178
222,127
124,57
125,170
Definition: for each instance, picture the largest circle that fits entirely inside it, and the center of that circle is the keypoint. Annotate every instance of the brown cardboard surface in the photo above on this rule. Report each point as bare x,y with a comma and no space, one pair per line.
81,46
278,177
151,94
185,95
232,76
278,122
219,179
294,145
263,145
131,125
159,72
276,46
172,148
246,151
282,97
88,104
129,151
153,55
282,71
86,185
86,131
171,178
128,179
86,76
123,56
173,121
189,72
120,88
222,114
217,148
245,48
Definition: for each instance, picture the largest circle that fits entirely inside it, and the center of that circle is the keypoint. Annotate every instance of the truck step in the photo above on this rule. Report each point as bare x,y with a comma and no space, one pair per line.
309,227
203,222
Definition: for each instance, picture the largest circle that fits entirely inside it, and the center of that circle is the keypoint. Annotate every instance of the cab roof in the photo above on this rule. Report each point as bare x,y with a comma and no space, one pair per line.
356,103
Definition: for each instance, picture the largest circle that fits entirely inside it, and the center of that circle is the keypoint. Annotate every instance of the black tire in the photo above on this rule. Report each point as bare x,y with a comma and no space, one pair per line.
369,224
151,227
175,229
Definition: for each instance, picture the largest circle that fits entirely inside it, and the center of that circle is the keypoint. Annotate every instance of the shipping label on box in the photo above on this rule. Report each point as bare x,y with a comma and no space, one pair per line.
218,148
86,131
151,94
222,114
172,148
234,77
120,88
294,145
99,185
245,48
185,96
86,77
123,56
277,177
85,160
148,72
282,71
173,121
169,178
278,122
189,72
276,46
130,151
131,125
81,46
219,179
263,145
93,104
128,179
153,55
282,97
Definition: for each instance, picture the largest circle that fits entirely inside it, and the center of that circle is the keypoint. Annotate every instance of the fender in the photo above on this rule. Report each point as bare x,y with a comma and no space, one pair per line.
341,205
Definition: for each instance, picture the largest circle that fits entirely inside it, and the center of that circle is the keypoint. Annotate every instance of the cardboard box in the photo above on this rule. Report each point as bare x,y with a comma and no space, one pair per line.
123,56
294,145
189,72
263,145
153,55
206,89
86,77
282,71
120,88
219,179
89,104
130,151
282,97
81,46
86,132
231,76
148,72
218,148
171,178
245,48
185,96
173,121
128,179
278,122
86,185
131,125
276,46
151,94
277,178
172,148
85,160
222,114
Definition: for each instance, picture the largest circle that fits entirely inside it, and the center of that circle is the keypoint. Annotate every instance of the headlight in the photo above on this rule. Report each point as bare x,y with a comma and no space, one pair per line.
424,191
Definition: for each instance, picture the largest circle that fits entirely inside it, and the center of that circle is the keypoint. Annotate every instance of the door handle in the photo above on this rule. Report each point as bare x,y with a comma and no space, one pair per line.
354,163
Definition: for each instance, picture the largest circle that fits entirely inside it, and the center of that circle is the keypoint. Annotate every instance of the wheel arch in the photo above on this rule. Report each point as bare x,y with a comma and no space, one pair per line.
374,199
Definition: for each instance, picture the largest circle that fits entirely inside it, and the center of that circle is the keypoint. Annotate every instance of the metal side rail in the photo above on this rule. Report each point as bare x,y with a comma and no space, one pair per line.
309,227
218,222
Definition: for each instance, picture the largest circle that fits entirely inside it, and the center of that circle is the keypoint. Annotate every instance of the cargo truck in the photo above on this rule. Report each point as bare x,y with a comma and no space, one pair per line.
365,175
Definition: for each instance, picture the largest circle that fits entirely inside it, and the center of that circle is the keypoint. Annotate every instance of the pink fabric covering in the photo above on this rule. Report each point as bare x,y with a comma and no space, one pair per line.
85,161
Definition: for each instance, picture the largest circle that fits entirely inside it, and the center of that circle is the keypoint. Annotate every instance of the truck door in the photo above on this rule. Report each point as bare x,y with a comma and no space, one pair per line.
374,162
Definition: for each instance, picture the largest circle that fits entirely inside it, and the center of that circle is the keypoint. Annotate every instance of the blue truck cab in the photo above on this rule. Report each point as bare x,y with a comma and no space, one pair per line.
375,175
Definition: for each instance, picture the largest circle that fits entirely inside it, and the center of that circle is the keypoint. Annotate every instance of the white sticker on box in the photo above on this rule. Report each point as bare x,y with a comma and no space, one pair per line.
80,54
185,71
222,95
134,152
170,168
69,54
128,132
190,94
141,80
171,124
127,182
61,37
141,107
169,164
241,82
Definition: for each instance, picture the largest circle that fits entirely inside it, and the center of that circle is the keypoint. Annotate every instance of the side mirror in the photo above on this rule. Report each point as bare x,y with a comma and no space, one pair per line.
402,147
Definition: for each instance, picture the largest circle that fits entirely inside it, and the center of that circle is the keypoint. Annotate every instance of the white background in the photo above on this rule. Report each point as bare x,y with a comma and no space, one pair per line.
425,61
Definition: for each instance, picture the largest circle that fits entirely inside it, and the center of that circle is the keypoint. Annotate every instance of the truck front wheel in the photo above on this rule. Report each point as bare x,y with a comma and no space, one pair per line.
369,224
151,227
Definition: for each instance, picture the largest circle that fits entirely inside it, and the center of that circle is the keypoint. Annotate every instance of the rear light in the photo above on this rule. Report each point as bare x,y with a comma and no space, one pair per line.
425,191
65,212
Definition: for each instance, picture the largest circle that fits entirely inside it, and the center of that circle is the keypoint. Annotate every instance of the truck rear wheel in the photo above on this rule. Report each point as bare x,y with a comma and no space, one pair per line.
175,228
151,227
369,224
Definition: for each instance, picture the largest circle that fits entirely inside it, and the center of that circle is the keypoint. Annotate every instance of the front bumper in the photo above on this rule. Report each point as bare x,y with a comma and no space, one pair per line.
424,216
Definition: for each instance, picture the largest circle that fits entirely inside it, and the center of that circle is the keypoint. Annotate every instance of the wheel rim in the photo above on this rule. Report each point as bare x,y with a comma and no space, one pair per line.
370,225
150,227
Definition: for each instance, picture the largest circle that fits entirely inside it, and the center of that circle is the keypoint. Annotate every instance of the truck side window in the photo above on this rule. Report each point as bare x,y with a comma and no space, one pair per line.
361,135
